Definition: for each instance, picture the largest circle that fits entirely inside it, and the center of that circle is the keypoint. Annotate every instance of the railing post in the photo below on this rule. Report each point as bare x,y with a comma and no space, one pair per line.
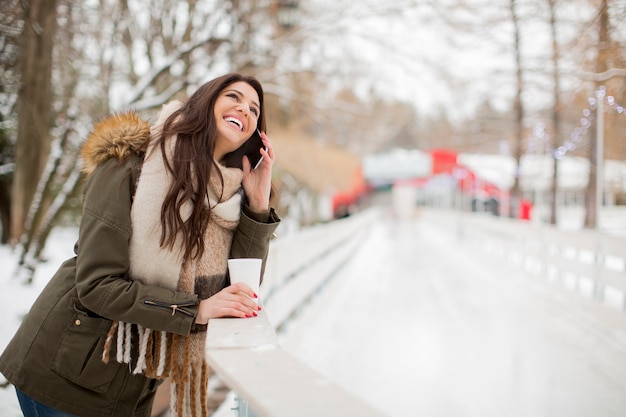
241,406
598,286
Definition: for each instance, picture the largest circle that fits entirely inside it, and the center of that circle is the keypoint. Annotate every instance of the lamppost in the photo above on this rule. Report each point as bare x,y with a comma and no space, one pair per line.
600,93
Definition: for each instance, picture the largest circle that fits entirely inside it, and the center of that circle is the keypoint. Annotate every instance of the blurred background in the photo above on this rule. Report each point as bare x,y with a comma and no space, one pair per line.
511,111
477,104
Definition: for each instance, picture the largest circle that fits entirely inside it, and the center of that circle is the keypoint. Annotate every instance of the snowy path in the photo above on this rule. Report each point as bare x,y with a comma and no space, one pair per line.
419,325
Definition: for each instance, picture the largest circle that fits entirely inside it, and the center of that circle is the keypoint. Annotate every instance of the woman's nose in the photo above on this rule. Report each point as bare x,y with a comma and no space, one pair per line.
243,108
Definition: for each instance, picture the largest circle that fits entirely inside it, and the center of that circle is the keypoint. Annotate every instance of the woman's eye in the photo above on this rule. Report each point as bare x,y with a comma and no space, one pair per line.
235,97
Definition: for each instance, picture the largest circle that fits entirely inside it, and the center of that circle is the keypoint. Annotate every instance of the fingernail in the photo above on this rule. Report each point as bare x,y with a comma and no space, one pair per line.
254,313
259,307
247,315
256,296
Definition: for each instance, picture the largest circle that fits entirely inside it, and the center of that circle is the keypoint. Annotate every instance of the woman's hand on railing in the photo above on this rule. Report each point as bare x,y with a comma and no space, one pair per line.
233,301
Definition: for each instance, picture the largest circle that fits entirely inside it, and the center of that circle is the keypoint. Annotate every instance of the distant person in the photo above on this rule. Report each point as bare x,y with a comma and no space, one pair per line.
164,207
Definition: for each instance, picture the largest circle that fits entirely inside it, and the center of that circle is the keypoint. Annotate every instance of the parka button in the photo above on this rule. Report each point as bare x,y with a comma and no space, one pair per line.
77,322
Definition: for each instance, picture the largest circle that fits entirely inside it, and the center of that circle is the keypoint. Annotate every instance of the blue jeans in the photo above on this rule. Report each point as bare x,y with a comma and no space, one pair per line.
32,408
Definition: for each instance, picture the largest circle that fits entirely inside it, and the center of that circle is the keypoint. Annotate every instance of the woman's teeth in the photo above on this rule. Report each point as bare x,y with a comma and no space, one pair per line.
234,121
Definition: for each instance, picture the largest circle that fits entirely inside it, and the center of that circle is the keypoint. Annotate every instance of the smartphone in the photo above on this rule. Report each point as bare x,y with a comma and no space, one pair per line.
253,146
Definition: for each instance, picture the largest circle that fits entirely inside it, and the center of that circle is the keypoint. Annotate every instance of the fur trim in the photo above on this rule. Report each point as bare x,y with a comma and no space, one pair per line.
118,136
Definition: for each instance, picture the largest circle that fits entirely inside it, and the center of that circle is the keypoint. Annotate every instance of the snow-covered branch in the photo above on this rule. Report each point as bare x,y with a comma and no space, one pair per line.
149,78
7,168
155,101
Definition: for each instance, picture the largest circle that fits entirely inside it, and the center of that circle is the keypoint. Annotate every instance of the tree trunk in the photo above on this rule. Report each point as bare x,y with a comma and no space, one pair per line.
518,108
556,113
5,213
11,14
33,107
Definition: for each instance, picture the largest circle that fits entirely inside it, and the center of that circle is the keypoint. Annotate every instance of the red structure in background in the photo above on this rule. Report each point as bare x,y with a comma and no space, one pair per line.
343,200
525,208
445,162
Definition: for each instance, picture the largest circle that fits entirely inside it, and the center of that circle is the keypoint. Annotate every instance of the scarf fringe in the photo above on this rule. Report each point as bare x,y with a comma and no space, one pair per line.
162,355
191,400
144,338
107,343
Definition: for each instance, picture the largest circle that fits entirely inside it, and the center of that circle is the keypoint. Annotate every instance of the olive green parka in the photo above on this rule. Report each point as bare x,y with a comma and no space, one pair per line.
55,356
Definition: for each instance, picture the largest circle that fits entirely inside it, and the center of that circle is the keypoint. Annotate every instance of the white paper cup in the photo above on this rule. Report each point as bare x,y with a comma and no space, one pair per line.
246,270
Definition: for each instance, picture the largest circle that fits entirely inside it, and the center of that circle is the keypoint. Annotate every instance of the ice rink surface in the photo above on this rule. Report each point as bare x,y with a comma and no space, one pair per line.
418,323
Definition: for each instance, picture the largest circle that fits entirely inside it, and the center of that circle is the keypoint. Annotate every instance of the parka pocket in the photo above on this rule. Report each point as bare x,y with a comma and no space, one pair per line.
79,355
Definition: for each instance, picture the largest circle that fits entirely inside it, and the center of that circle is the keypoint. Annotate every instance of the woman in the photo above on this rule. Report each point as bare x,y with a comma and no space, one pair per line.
164,208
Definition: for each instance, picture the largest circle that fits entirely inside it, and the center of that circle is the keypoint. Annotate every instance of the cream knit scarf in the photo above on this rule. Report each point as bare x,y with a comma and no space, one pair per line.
164,355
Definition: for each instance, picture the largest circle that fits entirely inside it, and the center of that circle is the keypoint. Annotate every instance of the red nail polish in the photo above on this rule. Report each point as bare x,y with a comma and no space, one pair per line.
256,296
247,315
254,313
259,308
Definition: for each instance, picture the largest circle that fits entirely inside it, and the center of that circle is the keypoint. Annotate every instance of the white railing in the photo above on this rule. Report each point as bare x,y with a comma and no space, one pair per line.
270,381
589,261
298,265
246,353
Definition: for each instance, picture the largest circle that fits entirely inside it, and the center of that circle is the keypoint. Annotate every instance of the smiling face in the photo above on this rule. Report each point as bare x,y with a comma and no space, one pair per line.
237,113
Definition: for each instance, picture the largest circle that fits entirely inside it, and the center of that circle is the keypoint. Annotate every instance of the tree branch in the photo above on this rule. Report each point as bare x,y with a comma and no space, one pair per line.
148,79
603,76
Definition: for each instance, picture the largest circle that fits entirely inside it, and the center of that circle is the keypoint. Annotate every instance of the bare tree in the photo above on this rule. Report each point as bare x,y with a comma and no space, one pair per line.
11,23
518,108
556,109
181,42
33,106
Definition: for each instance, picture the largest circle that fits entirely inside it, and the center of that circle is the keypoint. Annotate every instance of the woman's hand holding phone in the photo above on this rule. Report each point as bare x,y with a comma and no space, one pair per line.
264,148
257,178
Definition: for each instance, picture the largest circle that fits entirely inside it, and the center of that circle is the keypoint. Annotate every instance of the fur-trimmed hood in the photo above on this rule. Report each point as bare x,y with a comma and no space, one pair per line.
118,136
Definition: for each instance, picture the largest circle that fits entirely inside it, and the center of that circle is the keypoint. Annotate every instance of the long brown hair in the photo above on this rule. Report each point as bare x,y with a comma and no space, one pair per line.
195,126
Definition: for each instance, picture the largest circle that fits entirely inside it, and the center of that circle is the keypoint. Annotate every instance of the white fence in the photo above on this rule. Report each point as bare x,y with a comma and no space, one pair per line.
298,265
246,353
591,262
